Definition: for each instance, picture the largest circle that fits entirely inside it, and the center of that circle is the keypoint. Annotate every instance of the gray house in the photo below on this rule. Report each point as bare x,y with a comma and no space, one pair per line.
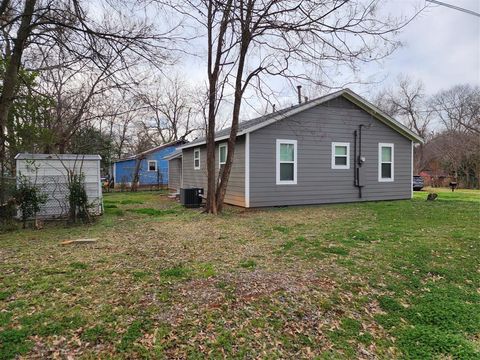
336,148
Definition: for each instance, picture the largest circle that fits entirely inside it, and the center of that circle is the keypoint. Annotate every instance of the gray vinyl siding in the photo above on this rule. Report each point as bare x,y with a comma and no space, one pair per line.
315,129
175,173
198,178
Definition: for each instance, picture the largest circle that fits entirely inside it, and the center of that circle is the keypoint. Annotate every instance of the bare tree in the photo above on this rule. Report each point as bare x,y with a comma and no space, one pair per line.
10,76
458,108
407,102
124,114
84,91
458,154
32,33
458,145
248,41
169,110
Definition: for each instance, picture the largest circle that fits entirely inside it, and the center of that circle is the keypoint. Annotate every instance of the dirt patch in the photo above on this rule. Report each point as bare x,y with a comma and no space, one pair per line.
237,289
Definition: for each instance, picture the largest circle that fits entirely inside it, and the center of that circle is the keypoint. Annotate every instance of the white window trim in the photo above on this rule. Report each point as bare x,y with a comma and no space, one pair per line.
226,153
341,167
194,152
148,165
286,182
380,179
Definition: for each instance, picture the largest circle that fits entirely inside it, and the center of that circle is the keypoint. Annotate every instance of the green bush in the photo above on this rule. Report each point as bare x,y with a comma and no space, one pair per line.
78,199
29,199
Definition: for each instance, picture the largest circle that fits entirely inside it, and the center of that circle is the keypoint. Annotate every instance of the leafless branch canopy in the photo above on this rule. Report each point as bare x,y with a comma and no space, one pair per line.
250,41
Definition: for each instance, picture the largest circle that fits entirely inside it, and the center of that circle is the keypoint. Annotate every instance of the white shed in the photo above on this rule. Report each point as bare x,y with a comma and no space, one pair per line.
49,173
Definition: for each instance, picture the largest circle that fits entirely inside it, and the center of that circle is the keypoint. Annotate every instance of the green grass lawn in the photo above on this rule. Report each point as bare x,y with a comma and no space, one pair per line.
397,279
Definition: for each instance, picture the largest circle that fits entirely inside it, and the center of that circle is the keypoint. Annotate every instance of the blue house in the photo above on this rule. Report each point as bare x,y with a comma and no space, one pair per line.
153,170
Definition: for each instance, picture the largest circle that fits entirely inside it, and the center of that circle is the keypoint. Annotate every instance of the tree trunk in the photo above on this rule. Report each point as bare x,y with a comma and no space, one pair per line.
420,159
136,175
237,103
62,145
211,183
214,64
224,176
10,78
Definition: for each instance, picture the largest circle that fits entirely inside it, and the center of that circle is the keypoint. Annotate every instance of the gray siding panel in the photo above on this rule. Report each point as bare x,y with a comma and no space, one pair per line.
315,129
198,178
175,173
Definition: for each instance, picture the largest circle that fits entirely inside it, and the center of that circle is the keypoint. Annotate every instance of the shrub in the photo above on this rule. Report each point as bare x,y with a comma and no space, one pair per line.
8,208
7,214
29,199
78,199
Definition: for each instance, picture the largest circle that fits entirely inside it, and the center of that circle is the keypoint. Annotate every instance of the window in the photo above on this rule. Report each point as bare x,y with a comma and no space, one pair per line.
286,162
196,159
152,165
222,154
385,162
340,155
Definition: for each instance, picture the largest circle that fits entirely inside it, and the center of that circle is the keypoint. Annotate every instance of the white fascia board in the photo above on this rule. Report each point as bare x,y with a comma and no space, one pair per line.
381,116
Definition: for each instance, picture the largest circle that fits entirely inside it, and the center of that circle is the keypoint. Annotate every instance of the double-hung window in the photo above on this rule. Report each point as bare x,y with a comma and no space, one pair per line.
222,154
340,155
385,162
286,154
152,165
196,159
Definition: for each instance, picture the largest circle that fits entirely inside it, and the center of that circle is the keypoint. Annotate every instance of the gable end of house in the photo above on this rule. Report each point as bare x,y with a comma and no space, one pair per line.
259,123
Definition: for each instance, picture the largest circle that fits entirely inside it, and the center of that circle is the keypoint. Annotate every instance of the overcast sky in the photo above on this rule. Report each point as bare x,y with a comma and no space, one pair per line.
441,47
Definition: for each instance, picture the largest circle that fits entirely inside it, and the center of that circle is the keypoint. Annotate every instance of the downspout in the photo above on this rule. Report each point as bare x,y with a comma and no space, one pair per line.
358,160
355,181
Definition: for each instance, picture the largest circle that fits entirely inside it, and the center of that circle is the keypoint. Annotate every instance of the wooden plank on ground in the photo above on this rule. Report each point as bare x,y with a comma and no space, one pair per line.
79,241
